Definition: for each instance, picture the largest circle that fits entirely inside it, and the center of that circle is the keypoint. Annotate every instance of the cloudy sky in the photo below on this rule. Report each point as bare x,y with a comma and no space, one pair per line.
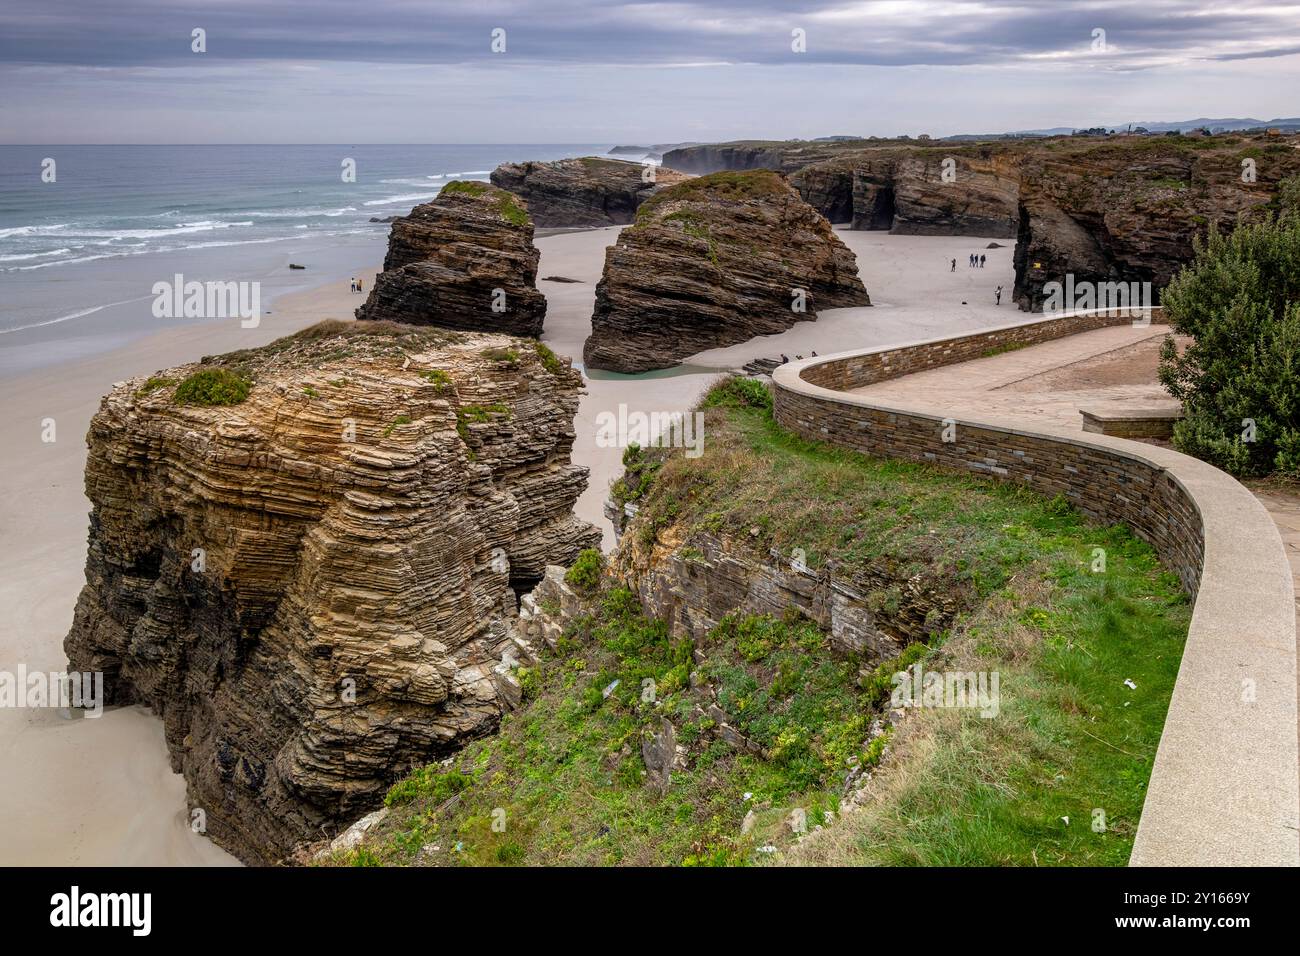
424,71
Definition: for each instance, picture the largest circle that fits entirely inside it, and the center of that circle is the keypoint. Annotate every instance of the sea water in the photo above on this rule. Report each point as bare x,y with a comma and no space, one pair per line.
80,254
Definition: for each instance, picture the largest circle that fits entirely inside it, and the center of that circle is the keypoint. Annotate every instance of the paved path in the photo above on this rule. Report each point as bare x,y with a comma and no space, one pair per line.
1050,381
1053,380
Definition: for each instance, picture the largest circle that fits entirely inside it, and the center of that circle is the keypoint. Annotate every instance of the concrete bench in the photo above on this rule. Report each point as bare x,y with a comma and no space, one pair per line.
1155,421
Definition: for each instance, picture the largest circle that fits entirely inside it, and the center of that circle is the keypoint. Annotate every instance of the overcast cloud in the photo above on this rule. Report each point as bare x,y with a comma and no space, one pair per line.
404,71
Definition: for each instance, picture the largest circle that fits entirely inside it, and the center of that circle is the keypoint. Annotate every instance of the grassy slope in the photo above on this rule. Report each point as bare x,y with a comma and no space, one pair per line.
952,788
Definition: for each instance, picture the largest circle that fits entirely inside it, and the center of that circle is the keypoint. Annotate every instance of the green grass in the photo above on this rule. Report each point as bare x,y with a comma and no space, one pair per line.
438,379
213,387
152,384
1009,575
399,420
550,361
507,205
477,413
1071,738
751,184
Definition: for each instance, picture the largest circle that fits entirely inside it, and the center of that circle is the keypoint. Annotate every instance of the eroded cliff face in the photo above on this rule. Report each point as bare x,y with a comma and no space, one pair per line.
586,192
929,192
1102,209
313,587
465,261
715,261
1128,210
692,579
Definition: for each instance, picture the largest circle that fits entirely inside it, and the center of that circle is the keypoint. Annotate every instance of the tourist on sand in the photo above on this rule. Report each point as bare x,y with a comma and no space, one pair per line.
981,262
353,287
814,351
784,358
998,295
358,285
954,266
971,263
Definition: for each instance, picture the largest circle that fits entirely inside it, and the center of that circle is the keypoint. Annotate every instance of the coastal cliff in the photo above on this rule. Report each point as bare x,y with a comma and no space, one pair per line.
741,682
305,558
715,261
1127,211
1121,208
919,192
587,192
464,261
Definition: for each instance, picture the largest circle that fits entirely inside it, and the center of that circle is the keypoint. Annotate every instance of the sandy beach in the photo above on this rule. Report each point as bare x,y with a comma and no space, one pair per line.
101,792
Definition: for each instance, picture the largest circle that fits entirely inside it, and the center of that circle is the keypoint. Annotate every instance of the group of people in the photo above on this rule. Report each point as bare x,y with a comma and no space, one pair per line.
356,284
976,261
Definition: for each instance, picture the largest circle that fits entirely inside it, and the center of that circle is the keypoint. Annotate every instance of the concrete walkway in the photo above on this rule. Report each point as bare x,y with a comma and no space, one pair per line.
1052,381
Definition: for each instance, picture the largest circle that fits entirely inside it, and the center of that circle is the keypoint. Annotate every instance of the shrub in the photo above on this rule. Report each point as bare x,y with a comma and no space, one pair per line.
438,378
738,392
213,386
1239,301
550,361
584,574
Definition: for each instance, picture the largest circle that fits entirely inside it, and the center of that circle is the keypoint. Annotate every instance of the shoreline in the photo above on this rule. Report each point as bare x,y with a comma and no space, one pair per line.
103,793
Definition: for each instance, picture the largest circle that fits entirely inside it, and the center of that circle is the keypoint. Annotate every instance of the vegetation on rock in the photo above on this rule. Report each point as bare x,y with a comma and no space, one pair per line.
636,745
213,386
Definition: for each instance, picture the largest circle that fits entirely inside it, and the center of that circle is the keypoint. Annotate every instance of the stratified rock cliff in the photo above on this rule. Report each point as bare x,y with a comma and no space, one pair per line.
930,192
465,261
1120,208
712,262
312,586
1127,210
590,191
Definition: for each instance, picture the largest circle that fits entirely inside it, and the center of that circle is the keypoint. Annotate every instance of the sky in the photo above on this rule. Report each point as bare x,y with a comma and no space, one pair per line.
564,71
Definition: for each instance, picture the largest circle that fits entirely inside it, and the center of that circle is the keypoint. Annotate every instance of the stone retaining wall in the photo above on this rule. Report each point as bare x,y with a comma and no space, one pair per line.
1225,786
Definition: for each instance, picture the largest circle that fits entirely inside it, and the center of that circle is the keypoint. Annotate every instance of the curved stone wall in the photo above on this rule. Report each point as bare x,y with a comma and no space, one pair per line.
1225,786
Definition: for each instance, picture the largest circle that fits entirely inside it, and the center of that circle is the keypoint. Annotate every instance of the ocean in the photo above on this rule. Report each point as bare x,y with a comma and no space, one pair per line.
79,255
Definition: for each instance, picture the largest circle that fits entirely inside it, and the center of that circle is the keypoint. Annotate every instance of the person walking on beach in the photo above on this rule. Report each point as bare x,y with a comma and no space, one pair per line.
954,266
998,295
981,262
353,286
359,285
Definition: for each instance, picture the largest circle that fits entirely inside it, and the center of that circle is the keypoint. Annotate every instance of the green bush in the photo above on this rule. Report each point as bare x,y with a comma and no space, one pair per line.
1239,301
213,386
584,575
738,392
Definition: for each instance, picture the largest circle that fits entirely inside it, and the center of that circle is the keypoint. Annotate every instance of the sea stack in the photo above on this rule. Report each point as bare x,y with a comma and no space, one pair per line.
586,192
464,261
712,262
305,558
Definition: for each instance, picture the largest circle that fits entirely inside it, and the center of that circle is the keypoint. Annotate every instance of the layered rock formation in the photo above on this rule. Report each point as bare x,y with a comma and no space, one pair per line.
465,261
919,192
313,586
712,262
1127,210
1101,209
585,192
785,156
